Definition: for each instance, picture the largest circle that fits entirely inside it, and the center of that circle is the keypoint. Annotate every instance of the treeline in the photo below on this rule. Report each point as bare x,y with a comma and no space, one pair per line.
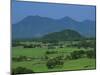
58,44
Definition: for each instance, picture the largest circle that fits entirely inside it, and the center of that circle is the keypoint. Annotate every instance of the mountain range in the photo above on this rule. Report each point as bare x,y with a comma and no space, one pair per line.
37,26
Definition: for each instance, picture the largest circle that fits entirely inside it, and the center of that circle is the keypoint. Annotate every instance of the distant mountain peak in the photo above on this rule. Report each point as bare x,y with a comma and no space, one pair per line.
31,26
31,17
66,18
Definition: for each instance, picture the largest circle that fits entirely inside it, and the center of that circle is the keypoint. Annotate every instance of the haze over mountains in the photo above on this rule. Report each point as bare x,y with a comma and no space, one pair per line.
36,26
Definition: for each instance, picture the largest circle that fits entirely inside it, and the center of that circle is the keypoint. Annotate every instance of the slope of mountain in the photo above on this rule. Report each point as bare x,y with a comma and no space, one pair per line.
36,26
63,35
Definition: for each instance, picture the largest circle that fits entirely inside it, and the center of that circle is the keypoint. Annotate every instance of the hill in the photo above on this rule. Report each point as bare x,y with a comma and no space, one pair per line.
63,35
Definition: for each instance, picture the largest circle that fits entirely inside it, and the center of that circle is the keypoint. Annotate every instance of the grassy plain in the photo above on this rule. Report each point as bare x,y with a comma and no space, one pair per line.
40,66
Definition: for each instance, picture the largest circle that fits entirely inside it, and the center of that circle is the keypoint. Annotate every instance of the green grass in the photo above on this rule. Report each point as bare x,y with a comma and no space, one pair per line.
39,51
68,65
28,51
78,64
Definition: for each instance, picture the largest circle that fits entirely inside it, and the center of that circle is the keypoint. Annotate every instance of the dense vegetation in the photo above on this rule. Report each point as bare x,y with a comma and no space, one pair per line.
64,52
63,35
21,70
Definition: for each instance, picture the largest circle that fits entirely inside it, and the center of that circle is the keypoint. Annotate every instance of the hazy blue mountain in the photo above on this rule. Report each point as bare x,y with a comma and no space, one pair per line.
36,26
86,28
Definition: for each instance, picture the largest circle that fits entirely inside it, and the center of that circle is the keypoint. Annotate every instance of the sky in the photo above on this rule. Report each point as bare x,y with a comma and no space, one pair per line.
21,10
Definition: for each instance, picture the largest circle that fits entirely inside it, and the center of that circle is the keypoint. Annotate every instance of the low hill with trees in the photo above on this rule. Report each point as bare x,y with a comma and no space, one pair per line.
64,35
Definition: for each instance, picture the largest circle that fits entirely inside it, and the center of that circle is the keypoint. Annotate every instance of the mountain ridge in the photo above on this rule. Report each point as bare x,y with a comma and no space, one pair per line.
36,26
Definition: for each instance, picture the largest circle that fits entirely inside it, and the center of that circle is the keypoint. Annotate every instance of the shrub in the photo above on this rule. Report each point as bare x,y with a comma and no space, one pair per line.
52,63
68,57
19,58
28,46
51,52
91,54
21,70
77,54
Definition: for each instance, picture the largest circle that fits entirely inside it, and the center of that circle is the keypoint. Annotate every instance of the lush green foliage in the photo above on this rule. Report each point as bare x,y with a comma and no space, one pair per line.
54,56
21,70
62,36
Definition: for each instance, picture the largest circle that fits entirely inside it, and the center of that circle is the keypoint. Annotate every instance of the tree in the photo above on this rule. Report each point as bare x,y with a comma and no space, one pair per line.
91,54
51,47
21,70
19,58
52,63
77,54
86,44
16,43
28,46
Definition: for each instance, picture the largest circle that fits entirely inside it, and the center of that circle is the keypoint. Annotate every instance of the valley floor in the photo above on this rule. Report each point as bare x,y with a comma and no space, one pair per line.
38,65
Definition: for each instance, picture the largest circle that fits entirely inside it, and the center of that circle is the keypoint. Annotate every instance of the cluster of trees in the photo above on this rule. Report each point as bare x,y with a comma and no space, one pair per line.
59,60
54,62
21,70
16,43
24,45
86,44
77,54
22,58
91,54
55,44
82,53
